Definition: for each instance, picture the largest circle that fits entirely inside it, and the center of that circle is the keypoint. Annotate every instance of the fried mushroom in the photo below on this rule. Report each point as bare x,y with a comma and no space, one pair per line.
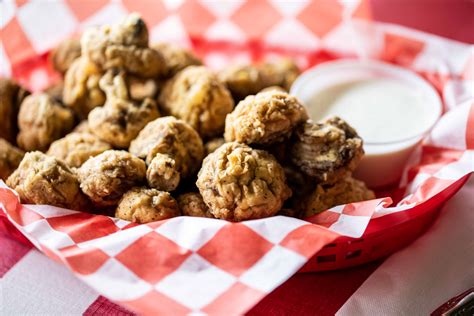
196,96
191,204
327,151
10,158
107,176
282,72
41,121
11,96
75,148
81,90
346,190
120,120
143,205
211,145
265,118
41,179
176,58
123,46
239,183
65,54
242,80
181,150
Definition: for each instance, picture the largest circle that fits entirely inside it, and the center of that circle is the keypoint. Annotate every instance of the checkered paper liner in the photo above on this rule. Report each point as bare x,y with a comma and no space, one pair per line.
197,265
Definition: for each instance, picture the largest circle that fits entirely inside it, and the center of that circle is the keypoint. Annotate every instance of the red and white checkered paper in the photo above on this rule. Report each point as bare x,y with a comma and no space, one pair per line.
185,265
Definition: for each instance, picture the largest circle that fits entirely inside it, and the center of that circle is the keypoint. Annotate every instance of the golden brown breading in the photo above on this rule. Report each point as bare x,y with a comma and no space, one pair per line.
173,138
346,190
196,96
242,80
273,88
328,151
141,88
162,173
42,179
265,118
82,127
11,96
143,205
123,46
239,183
106,177
176,58
120,120
191,204
75,148
211,145
64,54
10,158
81,90
282,72
41,121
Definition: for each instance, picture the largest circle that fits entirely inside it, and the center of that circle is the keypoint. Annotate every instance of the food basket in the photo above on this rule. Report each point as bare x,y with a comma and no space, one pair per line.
205,263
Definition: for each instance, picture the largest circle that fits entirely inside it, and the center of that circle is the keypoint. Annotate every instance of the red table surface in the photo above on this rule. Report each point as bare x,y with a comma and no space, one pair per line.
324,293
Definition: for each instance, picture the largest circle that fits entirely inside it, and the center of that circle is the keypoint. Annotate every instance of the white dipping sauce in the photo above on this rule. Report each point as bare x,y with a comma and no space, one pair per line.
390,108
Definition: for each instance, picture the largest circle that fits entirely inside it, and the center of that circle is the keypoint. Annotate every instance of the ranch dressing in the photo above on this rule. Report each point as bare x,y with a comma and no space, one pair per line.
390,108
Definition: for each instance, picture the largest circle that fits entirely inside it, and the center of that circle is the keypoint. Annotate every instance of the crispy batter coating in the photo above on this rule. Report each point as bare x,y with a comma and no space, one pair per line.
328,151
173,138
141,88
11,96
64,54
242,80
120,120
143,205
196,96
162,173
273,88
191,204
282,73
75,148
41,121
265,118
211,145
106,177
239,183
123,46
81,90
42,179
10,158
176,58
346,190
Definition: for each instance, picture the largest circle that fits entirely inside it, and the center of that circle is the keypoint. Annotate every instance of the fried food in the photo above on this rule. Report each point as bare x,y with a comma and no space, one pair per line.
143,205
42,179
75,148
282,73
191,204
10,158
327,151
265,118
141,88
274,88
196,96
346,190
120,120
242,80
211,145
41,121
162,173
82,127
176,58
239,183
11,96
81,87
55,91
180,147
107,176
123,46
65,54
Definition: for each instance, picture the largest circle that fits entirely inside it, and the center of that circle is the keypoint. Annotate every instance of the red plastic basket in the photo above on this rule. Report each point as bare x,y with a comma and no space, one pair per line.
383,236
